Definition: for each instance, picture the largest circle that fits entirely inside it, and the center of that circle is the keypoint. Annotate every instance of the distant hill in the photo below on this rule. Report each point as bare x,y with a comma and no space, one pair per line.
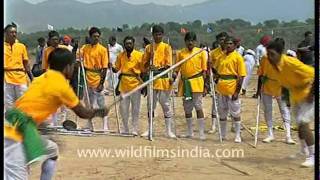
71,13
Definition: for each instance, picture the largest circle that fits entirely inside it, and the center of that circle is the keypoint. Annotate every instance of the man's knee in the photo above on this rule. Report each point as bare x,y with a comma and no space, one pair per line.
235,111
166,109
236,118
168,114
188,115
100,101
51,148
198,106
305,133
200,114
303,130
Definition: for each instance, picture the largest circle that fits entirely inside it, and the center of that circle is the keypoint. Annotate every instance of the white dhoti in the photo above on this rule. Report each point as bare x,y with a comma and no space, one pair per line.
250,62
134,100
109,77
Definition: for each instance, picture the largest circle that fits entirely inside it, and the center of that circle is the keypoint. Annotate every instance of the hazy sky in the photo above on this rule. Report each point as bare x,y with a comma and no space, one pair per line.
163,2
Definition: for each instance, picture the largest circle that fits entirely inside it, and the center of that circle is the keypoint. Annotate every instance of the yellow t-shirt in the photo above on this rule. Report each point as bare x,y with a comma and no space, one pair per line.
193,66
131,66
231,64
79,52
46,53
296,76
216,54
271,86
13,59
45,95
95,57
162,57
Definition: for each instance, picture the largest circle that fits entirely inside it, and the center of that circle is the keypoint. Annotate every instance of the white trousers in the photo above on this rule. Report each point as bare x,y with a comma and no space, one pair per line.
15,165
227,105
163,96
134,100
267,107
195,103
303,112
109,80
96,98
12,92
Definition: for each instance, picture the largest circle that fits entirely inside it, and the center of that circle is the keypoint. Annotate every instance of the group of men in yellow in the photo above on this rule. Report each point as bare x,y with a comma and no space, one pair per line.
45,94
278,73
52,89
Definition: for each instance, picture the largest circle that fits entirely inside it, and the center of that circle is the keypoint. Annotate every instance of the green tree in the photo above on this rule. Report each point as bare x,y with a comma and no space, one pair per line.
196,24
125,26
239,23
271,23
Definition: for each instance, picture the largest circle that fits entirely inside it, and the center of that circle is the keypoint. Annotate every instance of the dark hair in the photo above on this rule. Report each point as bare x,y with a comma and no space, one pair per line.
59,58
277,45
14,24
231,38
128,38
190,36
146,41
222,34
9,26
307,33
41,40
51,34
112,38
202,45
215,44
157,29
94,30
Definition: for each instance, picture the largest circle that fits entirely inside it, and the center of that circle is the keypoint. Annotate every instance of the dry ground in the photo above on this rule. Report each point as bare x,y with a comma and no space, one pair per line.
267,161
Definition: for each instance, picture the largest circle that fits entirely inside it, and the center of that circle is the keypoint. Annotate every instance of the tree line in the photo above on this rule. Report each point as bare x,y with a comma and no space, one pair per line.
292,32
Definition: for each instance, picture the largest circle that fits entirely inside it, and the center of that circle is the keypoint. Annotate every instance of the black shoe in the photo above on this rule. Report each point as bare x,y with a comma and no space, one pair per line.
243,92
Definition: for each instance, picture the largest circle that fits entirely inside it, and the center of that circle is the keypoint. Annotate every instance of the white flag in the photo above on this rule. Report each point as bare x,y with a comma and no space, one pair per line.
272,32
50,27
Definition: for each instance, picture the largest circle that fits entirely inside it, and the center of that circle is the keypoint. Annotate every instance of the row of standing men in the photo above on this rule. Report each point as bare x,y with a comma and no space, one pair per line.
228,68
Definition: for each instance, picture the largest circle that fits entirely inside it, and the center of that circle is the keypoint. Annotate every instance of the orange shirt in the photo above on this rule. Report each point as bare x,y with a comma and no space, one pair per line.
270,86
130,66
216,54
45,95
95,58
162,57
13,59
231,64
192,67
296,76
46,53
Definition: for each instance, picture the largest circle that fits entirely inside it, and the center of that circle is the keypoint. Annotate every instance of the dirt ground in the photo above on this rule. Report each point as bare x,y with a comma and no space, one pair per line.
267,161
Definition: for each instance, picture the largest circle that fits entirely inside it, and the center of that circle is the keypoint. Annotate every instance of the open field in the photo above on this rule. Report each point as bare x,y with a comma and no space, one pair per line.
268,161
